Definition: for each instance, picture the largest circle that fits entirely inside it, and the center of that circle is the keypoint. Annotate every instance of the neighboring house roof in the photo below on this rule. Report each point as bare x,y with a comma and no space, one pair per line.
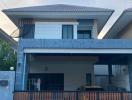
8,39
60,11
120,24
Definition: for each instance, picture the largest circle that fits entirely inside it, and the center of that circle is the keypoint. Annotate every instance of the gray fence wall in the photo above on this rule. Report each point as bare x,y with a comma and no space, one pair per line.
7,85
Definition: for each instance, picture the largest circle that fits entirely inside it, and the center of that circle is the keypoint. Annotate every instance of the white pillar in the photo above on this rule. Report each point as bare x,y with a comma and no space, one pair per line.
75,32
95,30
24,72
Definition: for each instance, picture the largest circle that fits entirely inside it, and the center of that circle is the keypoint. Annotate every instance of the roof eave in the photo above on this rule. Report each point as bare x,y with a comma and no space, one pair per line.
95,15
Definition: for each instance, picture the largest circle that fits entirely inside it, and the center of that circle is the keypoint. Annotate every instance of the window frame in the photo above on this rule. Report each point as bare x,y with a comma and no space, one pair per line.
63,25
90,34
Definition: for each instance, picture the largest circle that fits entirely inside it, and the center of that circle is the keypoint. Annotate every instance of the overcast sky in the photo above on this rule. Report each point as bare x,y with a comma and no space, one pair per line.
117,5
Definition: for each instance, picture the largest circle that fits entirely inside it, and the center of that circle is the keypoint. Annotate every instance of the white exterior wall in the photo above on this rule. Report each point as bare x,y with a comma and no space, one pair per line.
47,31
74,69
52,30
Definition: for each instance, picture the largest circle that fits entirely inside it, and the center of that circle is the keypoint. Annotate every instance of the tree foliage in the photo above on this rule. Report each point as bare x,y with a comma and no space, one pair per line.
7,56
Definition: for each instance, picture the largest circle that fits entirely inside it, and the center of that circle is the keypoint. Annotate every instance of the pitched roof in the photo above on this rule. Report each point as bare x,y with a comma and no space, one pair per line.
57,8
60,11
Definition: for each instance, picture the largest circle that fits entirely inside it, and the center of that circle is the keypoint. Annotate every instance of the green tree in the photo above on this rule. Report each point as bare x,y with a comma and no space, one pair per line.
7,56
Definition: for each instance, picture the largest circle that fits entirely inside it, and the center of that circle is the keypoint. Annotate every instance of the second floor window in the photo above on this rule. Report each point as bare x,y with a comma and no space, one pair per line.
84,34
67,31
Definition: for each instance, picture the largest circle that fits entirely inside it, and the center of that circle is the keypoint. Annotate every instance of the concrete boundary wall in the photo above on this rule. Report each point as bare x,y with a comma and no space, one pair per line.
7,79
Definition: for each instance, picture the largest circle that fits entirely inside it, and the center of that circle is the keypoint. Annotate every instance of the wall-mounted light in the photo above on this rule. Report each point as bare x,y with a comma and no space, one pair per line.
11,68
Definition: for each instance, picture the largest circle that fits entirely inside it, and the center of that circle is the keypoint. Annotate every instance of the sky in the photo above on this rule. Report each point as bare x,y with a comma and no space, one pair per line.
118,5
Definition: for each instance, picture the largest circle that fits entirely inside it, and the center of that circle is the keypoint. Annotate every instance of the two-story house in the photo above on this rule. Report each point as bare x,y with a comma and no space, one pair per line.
59,53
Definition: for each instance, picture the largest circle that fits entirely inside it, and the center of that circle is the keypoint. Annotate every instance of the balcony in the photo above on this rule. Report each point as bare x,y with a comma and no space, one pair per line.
72,95
77,43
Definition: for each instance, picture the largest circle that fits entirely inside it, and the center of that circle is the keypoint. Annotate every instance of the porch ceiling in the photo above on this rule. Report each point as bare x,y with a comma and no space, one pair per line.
101,59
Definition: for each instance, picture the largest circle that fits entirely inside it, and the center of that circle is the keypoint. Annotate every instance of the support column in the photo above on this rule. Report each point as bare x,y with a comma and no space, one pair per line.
24,73
130,72
20,70
110,73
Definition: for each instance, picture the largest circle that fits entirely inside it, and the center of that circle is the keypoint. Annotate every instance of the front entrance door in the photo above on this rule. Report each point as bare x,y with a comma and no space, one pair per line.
46,81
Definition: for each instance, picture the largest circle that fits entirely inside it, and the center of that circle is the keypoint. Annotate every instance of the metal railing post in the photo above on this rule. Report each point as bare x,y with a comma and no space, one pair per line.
97,95
121,94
